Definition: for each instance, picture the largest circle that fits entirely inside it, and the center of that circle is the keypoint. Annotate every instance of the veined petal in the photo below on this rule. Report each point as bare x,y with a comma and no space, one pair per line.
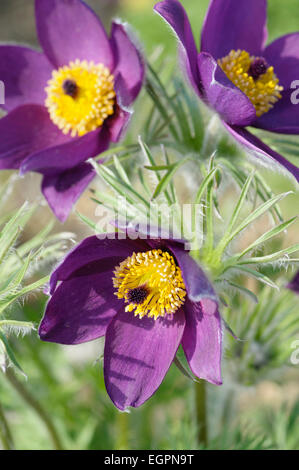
202,340
80,309
260,150
173,12
197,284
222,95
118,123
25,131
70,30
25,73
109,251
62,190
137,355
234,24
58,158
128,61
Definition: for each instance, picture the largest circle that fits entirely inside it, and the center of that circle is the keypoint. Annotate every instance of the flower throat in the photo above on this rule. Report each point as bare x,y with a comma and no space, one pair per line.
80,97
150,283
254,77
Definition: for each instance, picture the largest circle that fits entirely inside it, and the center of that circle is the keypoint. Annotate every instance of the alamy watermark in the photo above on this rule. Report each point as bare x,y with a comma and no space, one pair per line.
2,92
157,221
295,94
294,359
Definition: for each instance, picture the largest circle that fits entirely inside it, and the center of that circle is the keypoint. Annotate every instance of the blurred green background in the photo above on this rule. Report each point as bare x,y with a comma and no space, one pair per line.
67,382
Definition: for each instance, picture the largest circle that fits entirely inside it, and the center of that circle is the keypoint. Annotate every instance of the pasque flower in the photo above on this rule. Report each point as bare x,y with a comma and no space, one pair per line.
67,103
244,81
146,296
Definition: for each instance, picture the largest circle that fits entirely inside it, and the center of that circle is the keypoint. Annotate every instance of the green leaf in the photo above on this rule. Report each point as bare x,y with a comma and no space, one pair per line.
10,354
229,236
168,177
17,327
242,289
87,221
266,236
240,203
13,296
272,257
255,274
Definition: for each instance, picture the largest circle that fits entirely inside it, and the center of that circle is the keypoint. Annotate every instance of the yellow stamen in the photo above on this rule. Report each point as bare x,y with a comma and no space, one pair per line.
263,92
87,108
157,280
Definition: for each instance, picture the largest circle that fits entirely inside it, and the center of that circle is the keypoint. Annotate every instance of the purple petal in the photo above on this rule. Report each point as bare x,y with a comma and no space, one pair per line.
294,284
62,190
70,30
197,284
138,353
173,12
59,158
283,55
80,309
157,236
25,73
93,250
234,24
222,95
118,123
261,151
26,130
128,60
123,95
202,340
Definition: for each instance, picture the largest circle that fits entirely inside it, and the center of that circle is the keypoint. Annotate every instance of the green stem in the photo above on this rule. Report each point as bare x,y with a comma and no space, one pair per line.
201,412
5,434
122,431
37,407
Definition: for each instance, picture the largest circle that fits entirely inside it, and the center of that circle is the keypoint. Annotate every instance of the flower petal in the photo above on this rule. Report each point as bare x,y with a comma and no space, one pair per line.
222,95
173,12
56,159
25,73
26,130
294,284
109,251
128,60
80,309
197,284
202,339
234,24
283,55
62,190
70,30
137,355
261,151
118,123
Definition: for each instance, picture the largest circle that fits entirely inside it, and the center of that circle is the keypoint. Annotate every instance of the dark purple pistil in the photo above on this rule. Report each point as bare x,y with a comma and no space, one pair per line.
70,87
138,295
258,67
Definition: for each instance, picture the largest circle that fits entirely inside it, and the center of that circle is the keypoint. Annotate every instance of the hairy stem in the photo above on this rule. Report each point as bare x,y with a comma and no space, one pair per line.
201,412
122,433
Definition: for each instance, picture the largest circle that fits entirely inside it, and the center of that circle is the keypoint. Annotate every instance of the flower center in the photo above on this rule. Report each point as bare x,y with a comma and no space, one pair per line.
254,77
151,284
80,97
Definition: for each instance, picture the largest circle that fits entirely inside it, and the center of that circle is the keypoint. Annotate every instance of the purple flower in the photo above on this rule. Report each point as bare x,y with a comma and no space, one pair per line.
67,103
294,284
244,81
146,296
